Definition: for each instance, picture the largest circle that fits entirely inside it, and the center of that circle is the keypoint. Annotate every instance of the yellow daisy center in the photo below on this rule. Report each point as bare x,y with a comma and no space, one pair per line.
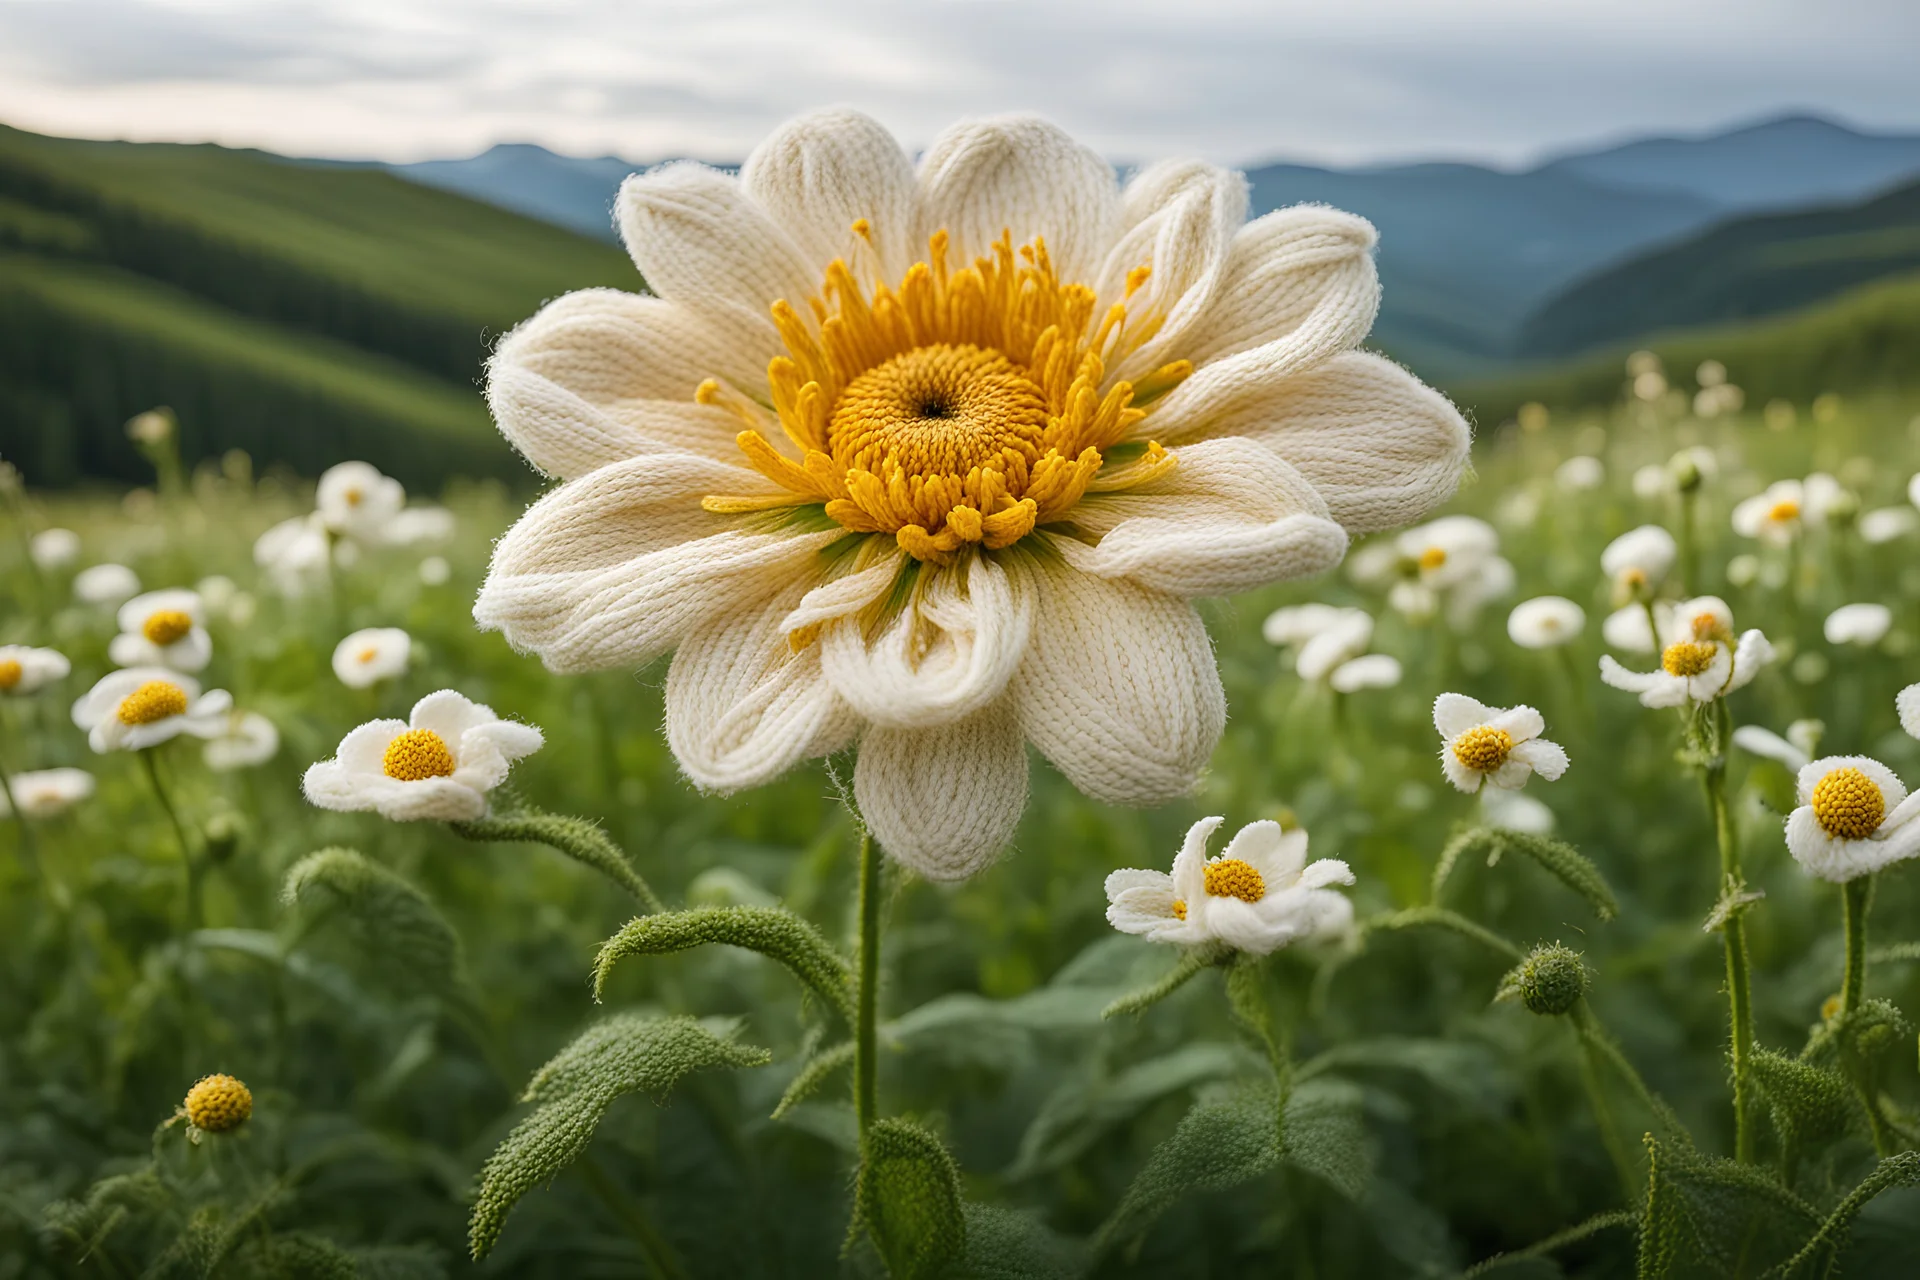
1784,510
1483,748
354,497
10,673
1179,908
417,754
962,408
1847,804
155,700
1634,578
218,1103
367,654
164,626
1232,878
1708,627
1688,658
1433,558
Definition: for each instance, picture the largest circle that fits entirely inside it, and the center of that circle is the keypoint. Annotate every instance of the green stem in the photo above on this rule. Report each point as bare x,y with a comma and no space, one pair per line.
576,837
187,860
1590,1060
658,1253
1596,1039
1734,932
1858,897
867,997
29,851
1689,546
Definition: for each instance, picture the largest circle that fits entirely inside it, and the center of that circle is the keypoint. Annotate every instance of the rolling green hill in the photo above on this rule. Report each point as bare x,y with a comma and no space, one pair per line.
1742,269
298,311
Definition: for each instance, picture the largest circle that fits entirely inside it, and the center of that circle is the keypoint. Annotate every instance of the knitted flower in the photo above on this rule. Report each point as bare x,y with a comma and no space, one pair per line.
372,655
25,670
1482,744
935,461
246,739
1775,516
1257,896
163,629
1854,818
1701,660
142,707
438,765
354,500
105,584
1368,671
46,793
1546,622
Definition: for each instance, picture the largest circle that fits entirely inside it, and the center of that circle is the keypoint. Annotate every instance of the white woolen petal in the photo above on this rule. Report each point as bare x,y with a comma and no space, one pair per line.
1190,864
1119,688
816,174
1463,778
1370,671
1255,844
944,801
947,654
852,591
1178,218
609,346
1754,652
428,800
1512,775
1344,640
513,740
701,242
1141,911
1325,871
1519,723
1242,927
130,649
365,747
1300,285
1629,629
1907,705
1769,745
1296,624
1129,878
1821,854
1023,174
1381,448
565,435
1548,759
1455,713
1230,517
450,714
743,707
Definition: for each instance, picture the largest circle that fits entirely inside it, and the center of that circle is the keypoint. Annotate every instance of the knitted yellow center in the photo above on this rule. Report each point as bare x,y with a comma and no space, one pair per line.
1433,558
1847,804
1179,908
1784,510
417,754
962,408
1688,658
354,497
1483,748
154,700
166,626
1707,626
10,672
218,1103
1232,878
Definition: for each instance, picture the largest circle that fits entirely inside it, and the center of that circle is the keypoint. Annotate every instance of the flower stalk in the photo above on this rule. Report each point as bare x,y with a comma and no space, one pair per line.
1857,895
1733,932
190,866
866,995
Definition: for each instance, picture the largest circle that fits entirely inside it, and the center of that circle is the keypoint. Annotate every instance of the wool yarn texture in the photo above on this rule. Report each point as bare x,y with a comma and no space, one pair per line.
935,460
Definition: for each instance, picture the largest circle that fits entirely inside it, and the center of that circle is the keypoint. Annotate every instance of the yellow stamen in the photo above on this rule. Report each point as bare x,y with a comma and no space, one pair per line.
1432,558
1784,510
354,497
963,408
218,1103
417,754
1483,748
1848,805
167,625
1707,627
1179,908
155,700
1232,878
10,673
367,654
1688,658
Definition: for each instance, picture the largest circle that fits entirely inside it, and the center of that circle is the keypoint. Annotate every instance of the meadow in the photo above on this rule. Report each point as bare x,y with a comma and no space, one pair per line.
387,1001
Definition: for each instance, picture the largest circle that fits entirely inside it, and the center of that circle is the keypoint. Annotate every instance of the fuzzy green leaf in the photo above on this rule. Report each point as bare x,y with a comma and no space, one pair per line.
1219,1143
1082,1110
579,839
1505,1262
1325,1134
1730,1218
774,932
1564,862
1192,961
1810,1105
909,1200
1820,1253
626,1053
812,1075
1009,1244
387,916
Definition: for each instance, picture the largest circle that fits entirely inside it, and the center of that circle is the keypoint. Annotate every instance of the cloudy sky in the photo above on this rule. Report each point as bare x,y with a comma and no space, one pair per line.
1234,80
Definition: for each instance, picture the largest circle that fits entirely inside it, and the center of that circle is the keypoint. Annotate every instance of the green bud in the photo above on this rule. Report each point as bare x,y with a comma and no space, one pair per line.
1685,471
1549,981
222,833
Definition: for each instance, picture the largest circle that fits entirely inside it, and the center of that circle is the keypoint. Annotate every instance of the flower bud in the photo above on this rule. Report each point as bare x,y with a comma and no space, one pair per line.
1686,472
1549,981
222,833
218,1103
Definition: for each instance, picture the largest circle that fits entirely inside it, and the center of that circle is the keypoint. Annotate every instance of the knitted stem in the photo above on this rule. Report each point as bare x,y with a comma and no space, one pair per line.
1857,895
187,862
1603,1119
866,1020
576,837
1734,931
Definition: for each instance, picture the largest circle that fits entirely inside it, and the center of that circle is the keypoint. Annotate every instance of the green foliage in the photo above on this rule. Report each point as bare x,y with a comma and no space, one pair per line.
626,1053
1549,982
1442,918
1566,863
1325,1134
813,1073
909,1200
1191,962
386,915
585,842
1810,1105
774,932
1008,1244
1220,1143
1703,1211
1820,1255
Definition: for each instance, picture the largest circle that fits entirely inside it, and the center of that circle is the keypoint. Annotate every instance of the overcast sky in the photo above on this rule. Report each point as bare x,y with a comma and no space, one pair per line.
1233,80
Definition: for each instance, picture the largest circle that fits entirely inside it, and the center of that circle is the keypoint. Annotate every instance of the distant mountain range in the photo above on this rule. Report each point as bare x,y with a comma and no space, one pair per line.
1468,253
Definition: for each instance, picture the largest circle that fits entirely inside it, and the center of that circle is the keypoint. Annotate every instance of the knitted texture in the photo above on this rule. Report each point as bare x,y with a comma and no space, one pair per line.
1214,428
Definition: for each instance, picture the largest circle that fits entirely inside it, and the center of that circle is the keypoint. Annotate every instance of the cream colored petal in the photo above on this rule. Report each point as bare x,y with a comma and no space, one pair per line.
1382,448
1022,174
1119,688
608,345
870,575
1231,516
1190,864
1755,651
1548,759
1463,778
701,242
946,655
1519,723
817,174
1455,713
1177,218
1128,878
1300,286
565,435
1241,926
944,801
1141,911
743,707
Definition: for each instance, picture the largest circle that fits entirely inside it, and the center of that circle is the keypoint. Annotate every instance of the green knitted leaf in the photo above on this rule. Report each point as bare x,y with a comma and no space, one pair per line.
1192,961
812,1075
387,916
1220,1143
1083,1110
1717,1215
623,1054
579,839
1008,1244
1820,1254
1325,1134
909,1200
1566,863
774,932
1810,1106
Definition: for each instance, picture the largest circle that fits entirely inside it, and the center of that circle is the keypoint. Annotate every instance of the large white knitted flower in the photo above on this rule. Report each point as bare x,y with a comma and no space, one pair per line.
437,765
934,462
1854,818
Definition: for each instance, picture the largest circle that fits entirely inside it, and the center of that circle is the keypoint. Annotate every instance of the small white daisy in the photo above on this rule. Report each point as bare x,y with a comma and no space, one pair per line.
1794,750
54,549
295,554
1854,818
1448,551
105,584
1907,704
1259,895
1701,660
1546,622
372,655
1515,811
1885,524
47,793
354,500
1862,624
163,629
437,765
25,670
418,525
1638,561
141,707
1368,671
1482,744
1580,473
246,739
1775,515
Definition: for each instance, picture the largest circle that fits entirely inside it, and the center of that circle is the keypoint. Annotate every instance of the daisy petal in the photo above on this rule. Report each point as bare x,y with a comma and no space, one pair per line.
1455,713
817,174
944,801
1548,759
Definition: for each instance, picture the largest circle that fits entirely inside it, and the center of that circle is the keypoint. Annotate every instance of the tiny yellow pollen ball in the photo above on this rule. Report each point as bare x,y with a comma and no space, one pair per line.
1483,748
1179,908
367,654
10,673
1830,1007
1432,558
1688,658
1233,878
218,1103
417,754
167,625
354,497
152,701
1848,805
1783,511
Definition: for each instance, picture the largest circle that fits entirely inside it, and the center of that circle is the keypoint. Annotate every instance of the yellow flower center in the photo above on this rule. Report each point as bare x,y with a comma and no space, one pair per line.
1707,627
165,626
417,754
367,654
964,408
354,497
218,1103
1688,658
1847,804
1232,878
1633,578
1179,908
10,673
1483,749
152,701
1784,510
1432,558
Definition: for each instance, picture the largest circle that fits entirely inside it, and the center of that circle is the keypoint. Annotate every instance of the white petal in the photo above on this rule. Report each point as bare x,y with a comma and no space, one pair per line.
1255,843
1629,629
944,801
1463,778
817,174
1119,688
1190,864
1131,878
1520,723
565,435
1456,713
1347,638
1300,286
864,578
450,714
1907,705
1242,927
1548,759
1769,745
1325,871
1179,218
610,347
1755,651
